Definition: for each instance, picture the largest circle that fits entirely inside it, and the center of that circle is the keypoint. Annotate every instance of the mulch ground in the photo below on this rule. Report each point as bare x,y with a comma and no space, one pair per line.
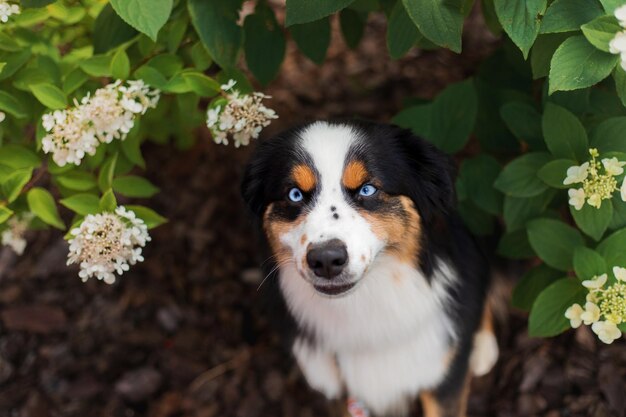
182,334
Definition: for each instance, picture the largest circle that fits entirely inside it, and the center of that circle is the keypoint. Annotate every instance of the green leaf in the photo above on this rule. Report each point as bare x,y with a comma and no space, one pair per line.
519,177
600,31
201,84
108,202
41,204
542,52
264,44
440,21
36,3
110,31
448,121
554,242
578,64
619,214
149,216
569,15
82,204
554,172
352,26
524,121
588,263
612,249
306,11
73,80
611,5
133,186
401,32
50,96
147,16
17,157
97,66
13,62
216,24
547,317
77,180
515,245
151,76
131,147
564,133
478,221
12,106
518,211
593,221
608,136
5,214
532,284
120,65
312,39
479,174
167,64
520,19
200,57
13,184
619,75
107,171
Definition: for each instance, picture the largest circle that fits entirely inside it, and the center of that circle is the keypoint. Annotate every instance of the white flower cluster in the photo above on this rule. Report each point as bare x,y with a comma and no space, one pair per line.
99,118
605,308
13,235
617,45
2,116
243,116
106,243
7,9
597,181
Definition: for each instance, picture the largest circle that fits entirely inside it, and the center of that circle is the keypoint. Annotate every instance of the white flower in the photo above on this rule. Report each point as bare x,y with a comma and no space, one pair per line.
620,273
596,282
595,200
230,84
2,116
107,243
607,331
574,315
7,10
591,313
106,115
243,117
617,45
622,190
576,174
613,166
576,198
620,14
13,236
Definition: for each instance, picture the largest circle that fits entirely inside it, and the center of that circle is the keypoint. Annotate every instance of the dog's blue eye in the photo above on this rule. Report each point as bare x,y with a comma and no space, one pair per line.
367,190
295,195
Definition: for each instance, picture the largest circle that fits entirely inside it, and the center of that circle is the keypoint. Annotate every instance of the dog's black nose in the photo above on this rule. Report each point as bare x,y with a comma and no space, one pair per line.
327,259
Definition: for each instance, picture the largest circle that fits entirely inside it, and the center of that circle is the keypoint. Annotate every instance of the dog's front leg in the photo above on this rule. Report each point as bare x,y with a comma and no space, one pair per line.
451,404
319,368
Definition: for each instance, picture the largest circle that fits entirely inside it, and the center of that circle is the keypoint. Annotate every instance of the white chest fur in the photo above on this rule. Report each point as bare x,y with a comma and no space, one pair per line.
384,342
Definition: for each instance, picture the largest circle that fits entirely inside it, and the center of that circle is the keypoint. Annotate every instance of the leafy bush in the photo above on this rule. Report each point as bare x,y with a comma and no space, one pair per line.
84,84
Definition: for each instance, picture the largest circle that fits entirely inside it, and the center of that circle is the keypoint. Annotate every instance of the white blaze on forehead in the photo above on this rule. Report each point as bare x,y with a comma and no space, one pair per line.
329,146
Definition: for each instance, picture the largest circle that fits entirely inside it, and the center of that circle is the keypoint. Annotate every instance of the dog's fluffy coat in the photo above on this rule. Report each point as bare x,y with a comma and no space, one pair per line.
406,315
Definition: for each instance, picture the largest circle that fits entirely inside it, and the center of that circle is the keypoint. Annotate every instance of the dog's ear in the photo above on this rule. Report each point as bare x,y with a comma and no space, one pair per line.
431,186
253,183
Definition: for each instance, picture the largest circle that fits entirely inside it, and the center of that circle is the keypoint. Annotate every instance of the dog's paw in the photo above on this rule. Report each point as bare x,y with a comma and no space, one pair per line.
319,369
484,353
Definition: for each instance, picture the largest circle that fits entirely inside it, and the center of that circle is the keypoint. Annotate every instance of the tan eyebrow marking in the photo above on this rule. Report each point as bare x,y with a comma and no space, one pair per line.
354,175
304,177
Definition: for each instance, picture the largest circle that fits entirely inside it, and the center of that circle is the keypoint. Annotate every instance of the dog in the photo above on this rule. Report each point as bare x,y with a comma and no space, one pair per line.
384,285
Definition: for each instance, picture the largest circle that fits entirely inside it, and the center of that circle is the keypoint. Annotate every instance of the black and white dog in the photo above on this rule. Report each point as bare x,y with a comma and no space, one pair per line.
384,283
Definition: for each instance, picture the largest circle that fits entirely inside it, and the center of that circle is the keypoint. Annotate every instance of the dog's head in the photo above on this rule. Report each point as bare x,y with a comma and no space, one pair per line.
333,196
